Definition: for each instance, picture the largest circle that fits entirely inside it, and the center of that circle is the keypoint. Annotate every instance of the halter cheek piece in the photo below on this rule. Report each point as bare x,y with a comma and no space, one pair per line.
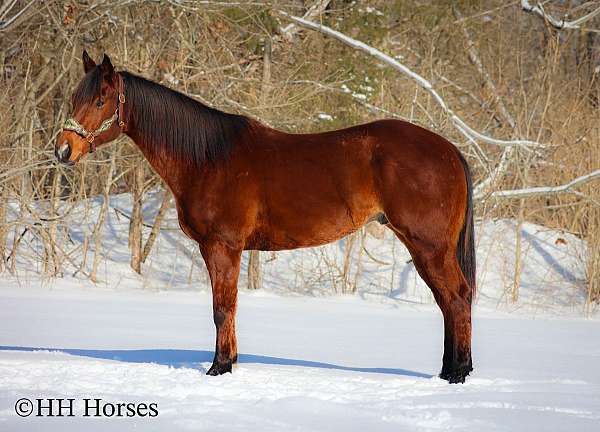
73,125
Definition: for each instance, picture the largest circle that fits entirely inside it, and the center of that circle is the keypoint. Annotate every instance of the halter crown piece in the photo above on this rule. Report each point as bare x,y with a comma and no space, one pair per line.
73,125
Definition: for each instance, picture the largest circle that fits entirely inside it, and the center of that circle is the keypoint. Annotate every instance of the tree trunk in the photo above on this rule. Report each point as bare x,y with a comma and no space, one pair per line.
254,276
135,224
164,206
3,207
101,216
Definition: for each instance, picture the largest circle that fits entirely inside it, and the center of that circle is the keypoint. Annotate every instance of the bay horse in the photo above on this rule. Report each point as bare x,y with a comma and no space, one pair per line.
240,185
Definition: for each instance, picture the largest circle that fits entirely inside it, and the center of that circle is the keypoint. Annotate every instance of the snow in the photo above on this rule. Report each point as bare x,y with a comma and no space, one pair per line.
306,364
311,358
370,9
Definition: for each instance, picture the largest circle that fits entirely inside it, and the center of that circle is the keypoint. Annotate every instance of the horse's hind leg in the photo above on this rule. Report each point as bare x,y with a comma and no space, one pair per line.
436,261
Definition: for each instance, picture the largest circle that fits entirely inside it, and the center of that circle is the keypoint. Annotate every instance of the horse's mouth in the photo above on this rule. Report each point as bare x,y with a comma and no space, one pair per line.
68,163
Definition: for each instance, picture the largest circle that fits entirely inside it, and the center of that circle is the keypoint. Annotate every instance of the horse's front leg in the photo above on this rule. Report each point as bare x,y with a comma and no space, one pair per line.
223,264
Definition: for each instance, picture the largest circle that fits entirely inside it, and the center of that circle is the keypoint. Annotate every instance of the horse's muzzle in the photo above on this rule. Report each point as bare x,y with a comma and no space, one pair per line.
62,153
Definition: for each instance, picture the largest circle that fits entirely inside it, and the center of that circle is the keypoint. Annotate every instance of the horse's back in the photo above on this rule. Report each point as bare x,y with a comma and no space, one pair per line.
366,159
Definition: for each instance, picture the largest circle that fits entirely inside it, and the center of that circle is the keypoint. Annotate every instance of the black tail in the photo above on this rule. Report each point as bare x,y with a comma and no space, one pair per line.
466,242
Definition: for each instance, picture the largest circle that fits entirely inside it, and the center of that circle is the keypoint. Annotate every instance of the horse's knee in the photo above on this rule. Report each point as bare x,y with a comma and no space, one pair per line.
223,317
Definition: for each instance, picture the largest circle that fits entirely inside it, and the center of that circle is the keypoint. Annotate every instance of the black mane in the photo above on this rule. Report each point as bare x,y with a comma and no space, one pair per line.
171,122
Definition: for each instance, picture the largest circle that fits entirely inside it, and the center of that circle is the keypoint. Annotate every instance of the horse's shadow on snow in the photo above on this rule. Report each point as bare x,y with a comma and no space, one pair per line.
178,358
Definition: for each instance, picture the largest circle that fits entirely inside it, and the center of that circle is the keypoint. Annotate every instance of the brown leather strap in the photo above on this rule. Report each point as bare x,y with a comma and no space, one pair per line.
90,139
121,102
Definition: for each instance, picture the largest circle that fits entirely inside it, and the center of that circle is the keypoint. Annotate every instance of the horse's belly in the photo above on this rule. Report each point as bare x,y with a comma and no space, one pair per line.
309,230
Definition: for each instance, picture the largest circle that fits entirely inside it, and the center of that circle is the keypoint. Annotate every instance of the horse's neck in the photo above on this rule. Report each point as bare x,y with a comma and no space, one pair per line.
174,172
171,172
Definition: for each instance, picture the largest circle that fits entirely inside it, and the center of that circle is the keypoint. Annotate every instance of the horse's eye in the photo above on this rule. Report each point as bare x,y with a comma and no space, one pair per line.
99,103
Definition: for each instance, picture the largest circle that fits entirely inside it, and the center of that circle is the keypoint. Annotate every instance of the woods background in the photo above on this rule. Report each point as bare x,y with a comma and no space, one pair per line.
523,74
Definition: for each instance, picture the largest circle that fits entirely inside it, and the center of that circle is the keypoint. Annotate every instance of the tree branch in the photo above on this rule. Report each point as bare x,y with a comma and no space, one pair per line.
313,12
422,82
554,22
164,206
6,24
547,190
6,7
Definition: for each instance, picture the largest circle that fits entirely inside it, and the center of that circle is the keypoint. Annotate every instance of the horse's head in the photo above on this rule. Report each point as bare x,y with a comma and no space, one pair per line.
98,112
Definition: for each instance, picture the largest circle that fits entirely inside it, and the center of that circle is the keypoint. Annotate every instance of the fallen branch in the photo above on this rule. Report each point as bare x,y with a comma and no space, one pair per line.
547,190
558,24
422,82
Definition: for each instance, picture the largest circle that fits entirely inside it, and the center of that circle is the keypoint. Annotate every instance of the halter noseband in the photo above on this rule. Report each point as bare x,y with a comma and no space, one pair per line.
73,125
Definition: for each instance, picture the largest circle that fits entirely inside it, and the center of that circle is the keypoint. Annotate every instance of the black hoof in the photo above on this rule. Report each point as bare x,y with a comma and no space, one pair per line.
456,375
219,368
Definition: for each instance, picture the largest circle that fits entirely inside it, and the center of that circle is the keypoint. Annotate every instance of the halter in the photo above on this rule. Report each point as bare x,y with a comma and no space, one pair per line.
73,125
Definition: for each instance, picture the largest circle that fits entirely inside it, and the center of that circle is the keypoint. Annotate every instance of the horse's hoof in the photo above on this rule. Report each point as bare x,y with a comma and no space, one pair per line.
456,376
219,369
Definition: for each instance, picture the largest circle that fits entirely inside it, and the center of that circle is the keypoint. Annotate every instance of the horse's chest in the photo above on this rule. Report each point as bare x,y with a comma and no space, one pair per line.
187,229
203,222
189,222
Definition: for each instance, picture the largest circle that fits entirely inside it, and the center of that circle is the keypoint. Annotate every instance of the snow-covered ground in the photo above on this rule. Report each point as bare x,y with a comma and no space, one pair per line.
306,364
310,360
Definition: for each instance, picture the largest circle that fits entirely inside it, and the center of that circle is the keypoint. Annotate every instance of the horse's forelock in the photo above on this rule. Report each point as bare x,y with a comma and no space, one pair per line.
89,87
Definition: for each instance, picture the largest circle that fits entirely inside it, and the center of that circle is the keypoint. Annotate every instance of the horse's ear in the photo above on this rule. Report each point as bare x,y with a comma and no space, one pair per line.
88,63
107,69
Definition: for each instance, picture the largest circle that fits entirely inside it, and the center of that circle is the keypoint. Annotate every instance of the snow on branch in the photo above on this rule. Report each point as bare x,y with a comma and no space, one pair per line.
547,190
554,22
422,82
313,12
